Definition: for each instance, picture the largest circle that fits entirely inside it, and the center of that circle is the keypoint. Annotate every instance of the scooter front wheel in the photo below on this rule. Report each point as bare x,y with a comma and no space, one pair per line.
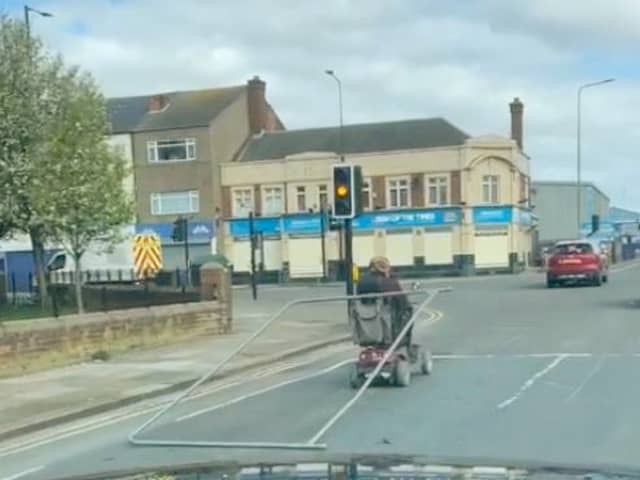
356,380
426,362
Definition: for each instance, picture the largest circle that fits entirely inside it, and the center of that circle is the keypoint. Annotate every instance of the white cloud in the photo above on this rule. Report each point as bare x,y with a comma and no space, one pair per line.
460,60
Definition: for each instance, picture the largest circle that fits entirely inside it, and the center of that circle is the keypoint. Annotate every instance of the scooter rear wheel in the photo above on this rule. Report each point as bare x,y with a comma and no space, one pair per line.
402,373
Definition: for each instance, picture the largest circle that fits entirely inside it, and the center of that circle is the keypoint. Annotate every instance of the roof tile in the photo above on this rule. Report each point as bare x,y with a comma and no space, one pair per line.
186,109
361,138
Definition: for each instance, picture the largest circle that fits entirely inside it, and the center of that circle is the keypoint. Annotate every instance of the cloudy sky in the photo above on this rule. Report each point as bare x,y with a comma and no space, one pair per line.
462,60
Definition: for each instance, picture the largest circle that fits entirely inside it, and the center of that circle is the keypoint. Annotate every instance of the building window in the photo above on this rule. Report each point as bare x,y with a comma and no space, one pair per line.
175,203
366,194
272,200
301,199
438,190
242,201
171,150
323,196
490,189
398,192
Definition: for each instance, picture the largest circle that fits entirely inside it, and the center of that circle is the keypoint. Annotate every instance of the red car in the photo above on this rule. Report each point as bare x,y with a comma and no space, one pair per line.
577,261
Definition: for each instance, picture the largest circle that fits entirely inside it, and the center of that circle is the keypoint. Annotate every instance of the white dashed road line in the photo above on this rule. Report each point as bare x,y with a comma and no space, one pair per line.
531,381
24,473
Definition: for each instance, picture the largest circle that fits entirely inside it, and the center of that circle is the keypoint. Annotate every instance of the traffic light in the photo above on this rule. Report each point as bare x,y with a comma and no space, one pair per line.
347,190
595,223
179,233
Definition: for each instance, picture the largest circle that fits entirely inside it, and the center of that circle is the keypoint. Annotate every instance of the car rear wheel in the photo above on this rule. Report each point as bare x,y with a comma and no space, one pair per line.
597,280
605,278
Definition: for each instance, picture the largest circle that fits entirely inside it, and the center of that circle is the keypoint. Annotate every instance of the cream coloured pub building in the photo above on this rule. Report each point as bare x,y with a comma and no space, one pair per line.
436,200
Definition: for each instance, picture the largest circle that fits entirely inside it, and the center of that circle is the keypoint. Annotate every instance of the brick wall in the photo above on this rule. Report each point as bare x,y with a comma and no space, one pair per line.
44,343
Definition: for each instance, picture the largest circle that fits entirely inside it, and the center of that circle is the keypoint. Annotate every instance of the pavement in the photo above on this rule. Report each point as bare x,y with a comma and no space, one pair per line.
522,374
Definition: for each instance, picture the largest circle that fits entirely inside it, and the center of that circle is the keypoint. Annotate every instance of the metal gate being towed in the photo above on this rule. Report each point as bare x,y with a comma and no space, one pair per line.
313,442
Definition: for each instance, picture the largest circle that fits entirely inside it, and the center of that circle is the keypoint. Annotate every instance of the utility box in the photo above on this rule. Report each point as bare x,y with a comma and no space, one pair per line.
215,285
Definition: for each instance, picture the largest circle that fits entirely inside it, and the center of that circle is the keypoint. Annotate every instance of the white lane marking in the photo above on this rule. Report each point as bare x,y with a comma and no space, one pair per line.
584,382
263,391
531,381
103,421
24,473
474,356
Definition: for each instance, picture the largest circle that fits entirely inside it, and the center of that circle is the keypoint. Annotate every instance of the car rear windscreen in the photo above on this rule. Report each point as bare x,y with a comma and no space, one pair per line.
573,248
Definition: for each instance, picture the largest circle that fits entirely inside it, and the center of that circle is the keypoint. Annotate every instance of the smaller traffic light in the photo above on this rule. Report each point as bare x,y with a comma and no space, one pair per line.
347,188
179,233
595,223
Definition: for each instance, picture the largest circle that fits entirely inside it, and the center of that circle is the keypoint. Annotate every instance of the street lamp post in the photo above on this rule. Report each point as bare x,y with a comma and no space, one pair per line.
27,11
579,148
332,74
348,228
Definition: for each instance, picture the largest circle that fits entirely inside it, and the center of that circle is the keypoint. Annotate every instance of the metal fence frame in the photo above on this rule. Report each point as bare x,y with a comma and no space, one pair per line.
311,444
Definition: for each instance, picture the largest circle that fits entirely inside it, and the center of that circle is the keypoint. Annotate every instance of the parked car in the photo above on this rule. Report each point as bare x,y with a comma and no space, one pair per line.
577,261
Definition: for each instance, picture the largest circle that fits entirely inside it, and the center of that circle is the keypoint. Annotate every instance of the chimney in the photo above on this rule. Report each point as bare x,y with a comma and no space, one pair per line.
516,107
257,105
158,103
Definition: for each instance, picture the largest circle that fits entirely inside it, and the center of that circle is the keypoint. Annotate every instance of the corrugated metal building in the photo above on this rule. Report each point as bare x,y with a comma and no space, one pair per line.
555,204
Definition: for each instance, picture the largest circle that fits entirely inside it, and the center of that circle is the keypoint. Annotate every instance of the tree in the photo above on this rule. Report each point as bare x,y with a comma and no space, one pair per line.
85,203
60,182
28,102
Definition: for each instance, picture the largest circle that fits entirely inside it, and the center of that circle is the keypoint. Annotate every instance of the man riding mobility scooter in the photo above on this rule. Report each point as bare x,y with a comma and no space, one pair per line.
376,323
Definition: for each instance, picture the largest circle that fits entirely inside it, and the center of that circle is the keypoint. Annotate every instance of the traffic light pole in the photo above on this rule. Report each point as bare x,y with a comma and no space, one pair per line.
348,254
252,246
323,230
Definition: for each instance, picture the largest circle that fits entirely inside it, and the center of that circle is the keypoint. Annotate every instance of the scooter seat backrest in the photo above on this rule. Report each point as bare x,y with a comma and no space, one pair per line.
370,310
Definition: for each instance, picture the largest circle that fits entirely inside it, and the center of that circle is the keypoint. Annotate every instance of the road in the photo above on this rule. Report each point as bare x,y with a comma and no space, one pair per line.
522,373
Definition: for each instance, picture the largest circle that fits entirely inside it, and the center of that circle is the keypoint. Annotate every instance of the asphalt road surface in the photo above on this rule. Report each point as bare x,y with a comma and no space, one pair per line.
522,373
